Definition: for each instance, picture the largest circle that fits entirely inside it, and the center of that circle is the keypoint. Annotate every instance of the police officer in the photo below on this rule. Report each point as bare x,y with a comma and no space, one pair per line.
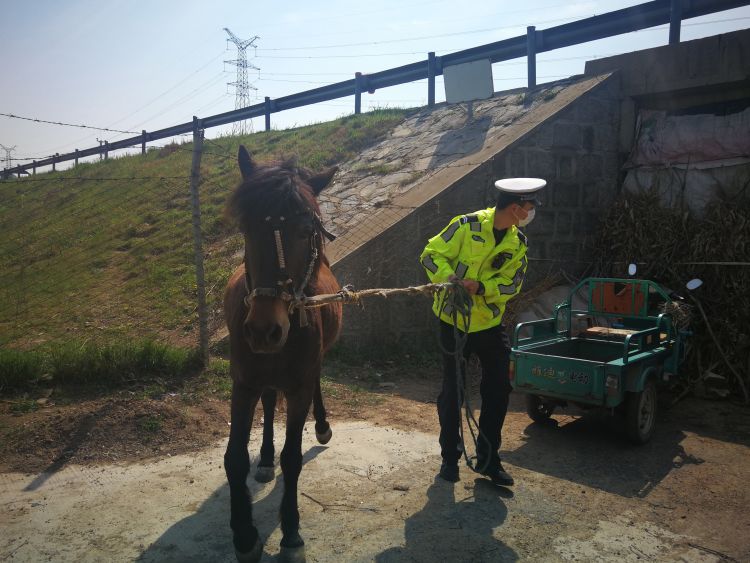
485,252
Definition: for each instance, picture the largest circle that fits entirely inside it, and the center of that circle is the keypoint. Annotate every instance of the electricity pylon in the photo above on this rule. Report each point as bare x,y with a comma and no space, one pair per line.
8,151
241,85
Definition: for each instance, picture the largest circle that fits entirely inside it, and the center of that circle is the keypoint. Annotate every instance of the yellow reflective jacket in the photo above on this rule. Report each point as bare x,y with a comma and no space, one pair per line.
466,248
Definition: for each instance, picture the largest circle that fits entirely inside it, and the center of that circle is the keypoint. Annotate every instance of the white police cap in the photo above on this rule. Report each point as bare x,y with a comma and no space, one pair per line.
525,189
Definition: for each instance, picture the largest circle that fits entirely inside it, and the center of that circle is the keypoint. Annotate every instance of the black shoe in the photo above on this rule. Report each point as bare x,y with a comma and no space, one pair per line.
498,475
449,471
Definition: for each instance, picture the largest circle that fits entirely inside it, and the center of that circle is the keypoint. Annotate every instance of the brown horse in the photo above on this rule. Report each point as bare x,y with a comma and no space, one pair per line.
275,346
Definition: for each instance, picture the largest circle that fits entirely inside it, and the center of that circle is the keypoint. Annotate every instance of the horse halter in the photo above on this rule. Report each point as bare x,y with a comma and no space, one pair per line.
284,289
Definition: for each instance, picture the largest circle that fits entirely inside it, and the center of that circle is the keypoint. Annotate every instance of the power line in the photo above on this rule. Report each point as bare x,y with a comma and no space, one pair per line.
437,36
261,56
157,98
67,124
73,143
339,56
215,79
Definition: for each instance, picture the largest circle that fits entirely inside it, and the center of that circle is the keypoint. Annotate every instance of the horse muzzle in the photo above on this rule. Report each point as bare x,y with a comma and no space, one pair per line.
265,337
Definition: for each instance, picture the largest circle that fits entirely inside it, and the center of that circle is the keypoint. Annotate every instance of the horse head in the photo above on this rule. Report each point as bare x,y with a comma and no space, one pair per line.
278,214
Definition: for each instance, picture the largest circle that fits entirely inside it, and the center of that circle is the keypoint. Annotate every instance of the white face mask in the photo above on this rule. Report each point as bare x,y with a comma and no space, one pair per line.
529,218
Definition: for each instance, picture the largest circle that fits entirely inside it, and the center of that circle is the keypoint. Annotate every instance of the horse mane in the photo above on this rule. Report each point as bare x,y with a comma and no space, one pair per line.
275,189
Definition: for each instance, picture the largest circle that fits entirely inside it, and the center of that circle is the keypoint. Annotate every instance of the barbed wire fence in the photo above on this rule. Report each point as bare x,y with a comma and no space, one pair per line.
97,255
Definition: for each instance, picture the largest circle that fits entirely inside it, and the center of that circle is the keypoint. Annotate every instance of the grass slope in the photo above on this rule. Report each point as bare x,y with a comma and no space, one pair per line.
88,257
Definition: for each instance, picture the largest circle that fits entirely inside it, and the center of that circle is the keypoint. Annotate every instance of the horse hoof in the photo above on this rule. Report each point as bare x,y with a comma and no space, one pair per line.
252,556
324,437
292,554
264,474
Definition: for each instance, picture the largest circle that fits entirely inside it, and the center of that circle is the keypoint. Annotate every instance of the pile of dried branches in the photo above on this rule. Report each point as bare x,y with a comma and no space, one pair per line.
672,246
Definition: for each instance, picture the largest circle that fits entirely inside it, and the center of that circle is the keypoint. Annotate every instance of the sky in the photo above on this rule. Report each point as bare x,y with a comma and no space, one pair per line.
136,64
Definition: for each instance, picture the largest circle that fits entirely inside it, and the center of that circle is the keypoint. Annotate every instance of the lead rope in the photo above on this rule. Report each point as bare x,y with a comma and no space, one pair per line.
459,302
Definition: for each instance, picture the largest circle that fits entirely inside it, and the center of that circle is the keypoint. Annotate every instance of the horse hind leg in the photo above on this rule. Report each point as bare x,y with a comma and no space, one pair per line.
265,471
323,431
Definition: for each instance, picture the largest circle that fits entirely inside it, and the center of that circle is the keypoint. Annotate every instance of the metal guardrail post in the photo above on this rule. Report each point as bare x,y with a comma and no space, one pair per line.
268,113
143,142
357,92
33,166
76,159
431,79
675,21
195,178
54,161
531,54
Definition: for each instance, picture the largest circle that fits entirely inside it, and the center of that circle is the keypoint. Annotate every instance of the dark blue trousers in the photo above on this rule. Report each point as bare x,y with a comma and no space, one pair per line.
492,348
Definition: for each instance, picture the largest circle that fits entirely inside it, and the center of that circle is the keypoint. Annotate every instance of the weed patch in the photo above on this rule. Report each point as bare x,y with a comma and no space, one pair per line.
93,363
23,406
19,368
149,424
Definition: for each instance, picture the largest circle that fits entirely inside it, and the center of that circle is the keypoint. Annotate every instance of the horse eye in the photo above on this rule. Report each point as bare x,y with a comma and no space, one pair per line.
305,231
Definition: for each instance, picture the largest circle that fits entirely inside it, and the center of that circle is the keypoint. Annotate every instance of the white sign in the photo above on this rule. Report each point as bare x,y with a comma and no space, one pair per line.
468,81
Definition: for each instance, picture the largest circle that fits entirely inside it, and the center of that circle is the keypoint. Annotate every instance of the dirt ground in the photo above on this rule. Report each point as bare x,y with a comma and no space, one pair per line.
137,475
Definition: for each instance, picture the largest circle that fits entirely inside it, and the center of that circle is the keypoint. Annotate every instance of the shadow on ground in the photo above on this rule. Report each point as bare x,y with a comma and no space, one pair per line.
592,451
205,535
450,530
74,443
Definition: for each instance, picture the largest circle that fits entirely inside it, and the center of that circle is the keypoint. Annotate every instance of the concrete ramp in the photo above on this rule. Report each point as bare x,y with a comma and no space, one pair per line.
431,151
438,164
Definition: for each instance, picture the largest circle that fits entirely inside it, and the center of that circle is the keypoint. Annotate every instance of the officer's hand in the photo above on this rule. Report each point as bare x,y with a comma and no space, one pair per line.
471,286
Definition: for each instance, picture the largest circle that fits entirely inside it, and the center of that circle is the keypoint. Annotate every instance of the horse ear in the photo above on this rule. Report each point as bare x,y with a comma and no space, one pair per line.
318,182
246,162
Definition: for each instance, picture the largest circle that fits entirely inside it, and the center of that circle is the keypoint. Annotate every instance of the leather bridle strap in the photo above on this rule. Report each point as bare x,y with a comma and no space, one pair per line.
284,281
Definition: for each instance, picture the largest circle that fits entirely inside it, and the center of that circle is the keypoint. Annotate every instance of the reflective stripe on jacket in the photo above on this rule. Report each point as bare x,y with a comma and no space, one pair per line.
466,248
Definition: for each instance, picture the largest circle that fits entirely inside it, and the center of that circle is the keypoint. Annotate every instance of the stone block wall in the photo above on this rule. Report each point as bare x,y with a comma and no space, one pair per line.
575,151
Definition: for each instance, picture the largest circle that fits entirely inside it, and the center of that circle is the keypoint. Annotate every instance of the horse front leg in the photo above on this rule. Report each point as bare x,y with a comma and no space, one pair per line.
323,430
265,471
247,545
298,405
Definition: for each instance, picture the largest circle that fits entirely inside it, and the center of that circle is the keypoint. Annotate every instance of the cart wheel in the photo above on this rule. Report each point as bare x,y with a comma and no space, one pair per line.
537,409
640,417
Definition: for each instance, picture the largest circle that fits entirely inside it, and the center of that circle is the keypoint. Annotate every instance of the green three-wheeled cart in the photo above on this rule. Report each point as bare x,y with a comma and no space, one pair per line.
613,354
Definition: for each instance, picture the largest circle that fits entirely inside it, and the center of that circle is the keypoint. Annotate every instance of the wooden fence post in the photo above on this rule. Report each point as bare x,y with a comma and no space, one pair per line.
143,141
33,167
106,150
195,176
531,54
358,92
54,161
675,21
431,79
268,113
76,163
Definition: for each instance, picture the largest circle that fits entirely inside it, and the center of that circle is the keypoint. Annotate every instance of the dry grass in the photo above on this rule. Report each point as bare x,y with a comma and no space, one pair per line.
672,246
